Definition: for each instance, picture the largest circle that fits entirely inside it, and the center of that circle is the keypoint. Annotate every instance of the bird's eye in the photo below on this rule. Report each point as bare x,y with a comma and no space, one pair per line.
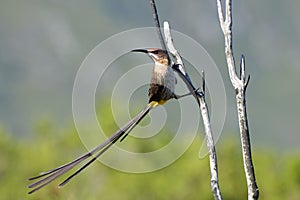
155,52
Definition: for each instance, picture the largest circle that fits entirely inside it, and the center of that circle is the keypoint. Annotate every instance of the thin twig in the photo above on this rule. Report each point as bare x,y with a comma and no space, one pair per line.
226,28
203,82
157,24
214,180
240,85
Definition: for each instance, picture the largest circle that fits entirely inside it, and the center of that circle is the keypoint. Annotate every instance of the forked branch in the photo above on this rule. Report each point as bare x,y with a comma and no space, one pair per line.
240,84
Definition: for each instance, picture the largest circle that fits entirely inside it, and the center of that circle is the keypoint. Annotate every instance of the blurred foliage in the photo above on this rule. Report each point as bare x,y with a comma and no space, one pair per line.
188,178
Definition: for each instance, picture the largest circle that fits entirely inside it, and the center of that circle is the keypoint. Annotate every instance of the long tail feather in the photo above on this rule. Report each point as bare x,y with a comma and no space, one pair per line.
51,175
78,160
86,165
142,115
136,120
38,185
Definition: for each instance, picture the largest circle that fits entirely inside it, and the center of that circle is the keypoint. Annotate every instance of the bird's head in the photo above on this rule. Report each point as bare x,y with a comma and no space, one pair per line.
156,54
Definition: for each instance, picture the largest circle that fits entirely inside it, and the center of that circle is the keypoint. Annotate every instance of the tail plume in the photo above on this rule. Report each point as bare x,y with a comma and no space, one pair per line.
47,177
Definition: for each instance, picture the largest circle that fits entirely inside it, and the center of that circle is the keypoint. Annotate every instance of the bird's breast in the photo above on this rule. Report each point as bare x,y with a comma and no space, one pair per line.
164,75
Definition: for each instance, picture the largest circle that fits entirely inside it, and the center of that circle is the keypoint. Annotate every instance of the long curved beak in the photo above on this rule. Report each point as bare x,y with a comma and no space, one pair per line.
140,50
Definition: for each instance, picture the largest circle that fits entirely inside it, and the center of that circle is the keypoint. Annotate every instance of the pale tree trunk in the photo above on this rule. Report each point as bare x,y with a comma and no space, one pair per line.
239,84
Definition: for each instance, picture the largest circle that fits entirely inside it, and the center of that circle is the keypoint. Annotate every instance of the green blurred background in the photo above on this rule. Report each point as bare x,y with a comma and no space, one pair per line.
42,44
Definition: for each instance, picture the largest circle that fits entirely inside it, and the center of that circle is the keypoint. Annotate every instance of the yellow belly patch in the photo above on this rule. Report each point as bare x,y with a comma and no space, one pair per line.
161,102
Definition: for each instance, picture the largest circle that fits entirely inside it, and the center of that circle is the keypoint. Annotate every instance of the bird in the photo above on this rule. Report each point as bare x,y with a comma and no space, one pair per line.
162,89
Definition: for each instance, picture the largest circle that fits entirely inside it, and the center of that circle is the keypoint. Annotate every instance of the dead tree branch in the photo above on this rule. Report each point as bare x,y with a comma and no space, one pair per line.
179,63
157,24
178,66
240,85
214,182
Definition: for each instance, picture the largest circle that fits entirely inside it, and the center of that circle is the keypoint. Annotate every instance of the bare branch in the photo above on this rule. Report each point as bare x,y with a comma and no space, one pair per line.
242,69
228,13
221,16
172,49
247,82
226,28
203,82
179,66
157,24
214,180
240,85
200,96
